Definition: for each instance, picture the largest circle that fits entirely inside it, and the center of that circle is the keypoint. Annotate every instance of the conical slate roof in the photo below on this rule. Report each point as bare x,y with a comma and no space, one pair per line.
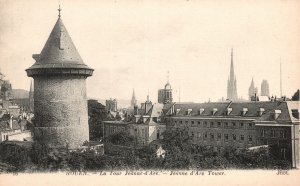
59,52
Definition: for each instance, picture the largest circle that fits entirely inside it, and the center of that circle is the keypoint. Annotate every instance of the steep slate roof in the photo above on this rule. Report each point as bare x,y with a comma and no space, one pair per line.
156,110
59,51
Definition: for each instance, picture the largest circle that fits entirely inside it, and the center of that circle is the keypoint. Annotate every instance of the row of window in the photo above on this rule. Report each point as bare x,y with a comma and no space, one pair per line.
273,133
214,124
114,129
219,136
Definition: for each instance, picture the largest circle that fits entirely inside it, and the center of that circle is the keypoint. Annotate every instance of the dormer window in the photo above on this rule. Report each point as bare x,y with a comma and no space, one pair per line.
261,111
188,112
228,111
277,113
215,110
201,111
244,111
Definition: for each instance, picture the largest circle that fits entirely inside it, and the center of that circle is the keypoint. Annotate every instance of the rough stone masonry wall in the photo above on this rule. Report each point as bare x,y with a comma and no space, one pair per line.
60,107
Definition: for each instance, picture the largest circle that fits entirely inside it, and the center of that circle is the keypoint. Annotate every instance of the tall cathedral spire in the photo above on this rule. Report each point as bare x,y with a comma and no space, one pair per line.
252,91
231,66
133,100
231,84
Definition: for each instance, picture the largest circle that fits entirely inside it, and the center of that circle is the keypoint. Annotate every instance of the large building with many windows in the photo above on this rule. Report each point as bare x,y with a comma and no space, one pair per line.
240,124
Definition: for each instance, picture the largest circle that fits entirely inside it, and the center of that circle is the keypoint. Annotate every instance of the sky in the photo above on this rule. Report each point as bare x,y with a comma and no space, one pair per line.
132,44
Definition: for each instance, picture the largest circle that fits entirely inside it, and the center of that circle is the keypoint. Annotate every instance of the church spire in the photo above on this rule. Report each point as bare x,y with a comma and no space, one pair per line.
231,66
231,85
133,99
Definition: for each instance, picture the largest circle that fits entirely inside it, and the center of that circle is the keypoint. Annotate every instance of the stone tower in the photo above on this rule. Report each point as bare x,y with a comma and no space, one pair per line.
60,102
231,84
165,95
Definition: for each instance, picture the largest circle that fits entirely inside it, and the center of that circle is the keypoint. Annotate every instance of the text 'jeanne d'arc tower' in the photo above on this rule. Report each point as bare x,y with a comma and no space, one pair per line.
60,103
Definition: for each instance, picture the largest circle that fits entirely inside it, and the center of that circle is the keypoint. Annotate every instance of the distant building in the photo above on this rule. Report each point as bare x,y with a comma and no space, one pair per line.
14,129
144,124
133,100
231,84
60,101
217,125
147,105
252,91
111,105
165,95
264,91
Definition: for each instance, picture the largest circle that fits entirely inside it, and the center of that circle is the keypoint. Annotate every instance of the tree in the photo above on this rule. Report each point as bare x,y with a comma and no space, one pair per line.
178,146
15,155
97,114
295,97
